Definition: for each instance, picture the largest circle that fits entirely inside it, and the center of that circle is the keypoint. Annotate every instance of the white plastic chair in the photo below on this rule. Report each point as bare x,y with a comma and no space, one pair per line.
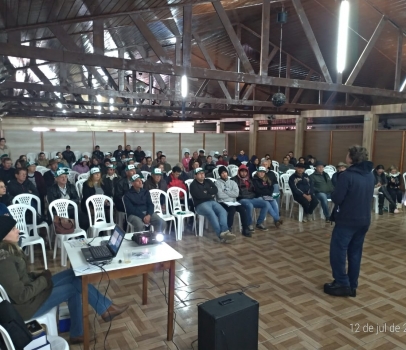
253,174
232,170
27,199
329,172
40,167
53,154
98,222
300,210
47,154
376,203
156,201
286,191
309,171
61,208
290,172
211,179
169,172
31,157
332,167
245,163
177,210
72,176
6,339
216,174
277,177
145,174
18,213
79,187
275,165
77,154
148,153
84,176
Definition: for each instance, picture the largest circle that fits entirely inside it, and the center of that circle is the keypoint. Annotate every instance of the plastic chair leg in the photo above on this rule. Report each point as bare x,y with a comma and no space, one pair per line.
31,254
44,254
49,237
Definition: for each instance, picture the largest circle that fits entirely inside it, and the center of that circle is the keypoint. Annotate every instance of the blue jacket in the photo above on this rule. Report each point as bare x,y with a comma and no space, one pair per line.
353,195
138,203
242,158
4,210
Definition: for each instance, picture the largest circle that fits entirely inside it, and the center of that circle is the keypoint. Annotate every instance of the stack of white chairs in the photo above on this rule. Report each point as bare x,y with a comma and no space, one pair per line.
84,176
275,165
290,172
309,171
78,155
31,157
216,174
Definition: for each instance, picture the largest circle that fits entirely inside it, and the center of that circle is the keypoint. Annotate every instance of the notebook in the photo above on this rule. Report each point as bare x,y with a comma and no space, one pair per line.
107,251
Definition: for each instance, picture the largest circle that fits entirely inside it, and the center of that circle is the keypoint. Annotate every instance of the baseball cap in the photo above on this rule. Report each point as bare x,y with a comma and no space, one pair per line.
262,168
136,177
198,170
113,159
156,171
31,163
224,150
111,166
94,170
83,160
61,172
129,167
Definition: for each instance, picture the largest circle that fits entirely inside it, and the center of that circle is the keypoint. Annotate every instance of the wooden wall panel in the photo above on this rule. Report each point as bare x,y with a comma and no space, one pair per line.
387,148
265,143
342,140
169,145
242,142
215,142
108,141
317,143
78,141
231,143
23,142
285,142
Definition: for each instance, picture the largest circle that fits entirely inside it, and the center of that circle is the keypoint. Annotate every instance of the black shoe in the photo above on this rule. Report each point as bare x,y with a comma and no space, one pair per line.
261,227
380,211
246,232
353,292
337,290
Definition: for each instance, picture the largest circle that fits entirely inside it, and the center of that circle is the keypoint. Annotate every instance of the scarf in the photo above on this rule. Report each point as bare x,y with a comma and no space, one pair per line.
245,180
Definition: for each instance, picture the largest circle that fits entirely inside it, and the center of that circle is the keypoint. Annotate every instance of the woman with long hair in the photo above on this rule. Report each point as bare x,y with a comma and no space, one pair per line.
35,293
95,185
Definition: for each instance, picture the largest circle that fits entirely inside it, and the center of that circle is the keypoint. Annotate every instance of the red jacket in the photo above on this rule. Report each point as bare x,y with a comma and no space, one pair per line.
222,162
173,182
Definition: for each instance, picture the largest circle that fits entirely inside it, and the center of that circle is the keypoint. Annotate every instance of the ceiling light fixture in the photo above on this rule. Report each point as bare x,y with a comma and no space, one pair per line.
66,129
40,129
342,42
111,101
59,105
184,86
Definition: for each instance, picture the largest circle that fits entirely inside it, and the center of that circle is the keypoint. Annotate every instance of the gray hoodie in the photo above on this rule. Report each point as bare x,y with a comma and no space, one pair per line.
227,190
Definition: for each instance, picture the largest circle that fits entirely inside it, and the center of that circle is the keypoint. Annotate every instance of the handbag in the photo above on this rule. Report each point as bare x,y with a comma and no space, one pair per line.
14,324
64,226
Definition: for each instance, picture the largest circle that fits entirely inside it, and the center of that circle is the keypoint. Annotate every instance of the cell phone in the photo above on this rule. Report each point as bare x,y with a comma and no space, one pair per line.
35,328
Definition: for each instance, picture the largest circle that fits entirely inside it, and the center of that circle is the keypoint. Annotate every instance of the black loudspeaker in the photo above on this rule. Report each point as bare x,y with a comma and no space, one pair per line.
228,323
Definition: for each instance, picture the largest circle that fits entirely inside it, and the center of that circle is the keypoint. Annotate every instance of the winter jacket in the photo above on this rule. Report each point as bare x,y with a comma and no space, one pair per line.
321,183
111,182
173,182
293,161
146,167
151,185
43,162
234,162
300,185
262,187
192,160
7,175
14,188
252,166
6,200
98,154
49,178
246,189
121,187
40,183
334,178
88,191
242,158
202,159
208,169
138,203
55,193
222,162
4,210
380,178
203,192
139,156
353,195
117,154
227,190
284,168
394,181
26,290
69,156
81,169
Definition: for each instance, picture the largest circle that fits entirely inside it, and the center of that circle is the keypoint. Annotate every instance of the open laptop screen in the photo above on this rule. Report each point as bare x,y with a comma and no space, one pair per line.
116,239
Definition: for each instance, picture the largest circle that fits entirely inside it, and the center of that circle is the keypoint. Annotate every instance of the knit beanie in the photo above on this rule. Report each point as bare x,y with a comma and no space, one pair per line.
222,169
6,225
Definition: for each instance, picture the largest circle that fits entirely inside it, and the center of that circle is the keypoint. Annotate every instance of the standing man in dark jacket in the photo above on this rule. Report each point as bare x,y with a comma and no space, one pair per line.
139,154
292,160
352,215
98,154
69,156
118,152
323,187
204,192
139,207
302,190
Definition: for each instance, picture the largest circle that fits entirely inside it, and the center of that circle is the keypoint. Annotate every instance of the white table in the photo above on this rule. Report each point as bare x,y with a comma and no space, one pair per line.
162,257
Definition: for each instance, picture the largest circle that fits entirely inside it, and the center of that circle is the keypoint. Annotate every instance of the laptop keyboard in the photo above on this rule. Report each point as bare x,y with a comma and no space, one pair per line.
100,251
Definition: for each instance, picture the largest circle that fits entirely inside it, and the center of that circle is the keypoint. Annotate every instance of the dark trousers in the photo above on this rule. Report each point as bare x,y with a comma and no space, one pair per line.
395,194
231,212
308,207
346,243
384,193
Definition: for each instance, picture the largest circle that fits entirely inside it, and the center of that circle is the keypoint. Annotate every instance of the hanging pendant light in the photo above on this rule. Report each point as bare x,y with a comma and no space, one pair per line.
279,98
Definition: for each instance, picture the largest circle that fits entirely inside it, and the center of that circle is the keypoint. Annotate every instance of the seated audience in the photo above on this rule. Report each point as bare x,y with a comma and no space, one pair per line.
4,196
69,156
156,181
118,152
38,181
186,160
4,149
148,166
162,160
61,188
202,157
311,161
246,197
194,166
63,163
195,158
381,190
323,188
226,158
94,163
33,294
158,159
19,164
303,161
127,151
111,178
285,165
98,154
49,176
292,160
221,161
253,165
23,158
242,157
95,186
204,192
42,160
228,192
302,191
81,167
183,175
21,185
175,179
164,175
139,154
264,188
139,207
340,168
234,160
394,183
209,166
122,186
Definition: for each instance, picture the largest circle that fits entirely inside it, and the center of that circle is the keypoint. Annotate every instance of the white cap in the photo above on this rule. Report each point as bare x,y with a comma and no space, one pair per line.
94,170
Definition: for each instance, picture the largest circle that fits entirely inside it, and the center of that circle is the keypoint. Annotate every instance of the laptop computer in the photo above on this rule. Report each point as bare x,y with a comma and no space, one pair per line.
107,251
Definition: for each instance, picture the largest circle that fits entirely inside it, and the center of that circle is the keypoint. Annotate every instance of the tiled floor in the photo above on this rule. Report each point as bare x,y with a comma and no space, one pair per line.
285,270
